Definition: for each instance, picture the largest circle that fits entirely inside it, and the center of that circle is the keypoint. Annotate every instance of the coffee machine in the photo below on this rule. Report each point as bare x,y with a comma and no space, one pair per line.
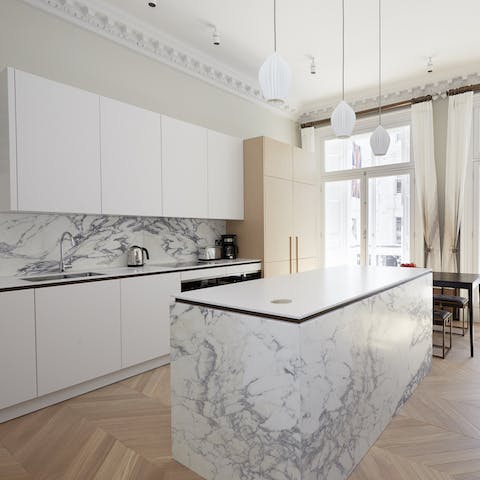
229,246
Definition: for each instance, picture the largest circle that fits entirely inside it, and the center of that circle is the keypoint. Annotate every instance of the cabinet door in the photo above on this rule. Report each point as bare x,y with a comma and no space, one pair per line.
306,264
305,166
78,333
17,348
306,202
146,316
58,147
184,169
225,176
277,159
278,219
276,269
131,160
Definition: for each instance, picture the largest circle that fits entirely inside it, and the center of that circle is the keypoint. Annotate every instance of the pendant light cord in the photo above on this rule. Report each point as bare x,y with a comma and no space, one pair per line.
343,49
274,25
380,62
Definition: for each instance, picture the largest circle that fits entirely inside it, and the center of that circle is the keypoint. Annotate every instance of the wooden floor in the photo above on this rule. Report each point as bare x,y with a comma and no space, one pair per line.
123,432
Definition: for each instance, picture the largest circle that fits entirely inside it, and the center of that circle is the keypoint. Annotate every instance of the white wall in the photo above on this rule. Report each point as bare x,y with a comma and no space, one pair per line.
40,43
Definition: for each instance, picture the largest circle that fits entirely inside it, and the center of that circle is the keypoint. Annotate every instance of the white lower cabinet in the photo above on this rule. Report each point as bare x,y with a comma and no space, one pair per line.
146,316
78,333
17,348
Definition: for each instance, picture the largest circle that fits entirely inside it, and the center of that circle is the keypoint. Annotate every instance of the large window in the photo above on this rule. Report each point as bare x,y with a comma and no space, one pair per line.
367,214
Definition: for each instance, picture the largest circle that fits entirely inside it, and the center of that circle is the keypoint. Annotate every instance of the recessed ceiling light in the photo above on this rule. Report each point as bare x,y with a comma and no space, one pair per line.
152,4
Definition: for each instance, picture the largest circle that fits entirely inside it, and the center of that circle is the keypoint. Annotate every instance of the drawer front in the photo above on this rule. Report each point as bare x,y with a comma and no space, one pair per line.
250,268
203,273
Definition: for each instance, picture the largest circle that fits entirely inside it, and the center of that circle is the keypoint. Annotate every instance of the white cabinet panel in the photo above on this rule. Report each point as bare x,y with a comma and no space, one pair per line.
17,348
58,146
146,316
278,219
306,203
78,333
305,166
131,159
225,176
203,273
184,169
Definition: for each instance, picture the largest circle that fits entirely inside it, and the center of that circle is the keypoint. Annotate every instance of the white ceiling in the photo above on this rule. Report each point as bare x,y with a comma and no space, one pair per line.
413,30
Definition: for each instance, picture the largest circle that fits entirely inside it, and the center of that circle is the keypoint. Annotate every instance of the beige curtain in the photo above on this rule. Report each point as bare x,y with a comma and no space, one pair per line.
426,181
308,138
459,131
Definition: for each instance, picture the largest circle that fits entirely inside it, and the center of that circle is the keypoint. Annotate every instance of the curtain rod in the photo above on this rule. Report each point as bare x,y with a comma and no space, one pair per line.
373,111
396,106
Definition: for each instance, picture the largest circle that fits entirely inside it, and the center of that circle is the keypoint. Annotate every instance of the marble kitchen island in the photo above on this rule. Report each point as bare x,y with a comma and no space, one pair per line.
298,389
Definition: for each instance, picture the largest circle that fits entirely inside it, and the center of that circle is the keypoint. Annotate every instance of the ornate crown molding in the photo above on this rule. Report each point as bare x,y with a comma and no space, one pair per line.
129,32
436,90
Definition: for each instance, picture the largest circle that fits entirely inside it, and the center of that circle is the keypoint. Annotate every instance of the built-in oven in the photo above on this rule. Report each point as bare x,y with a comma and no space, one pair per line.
196,283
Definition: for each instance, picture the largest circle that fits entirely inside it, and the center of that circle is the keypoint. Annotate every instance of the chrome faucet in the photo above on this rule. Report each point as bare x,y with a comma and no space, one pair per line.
63,265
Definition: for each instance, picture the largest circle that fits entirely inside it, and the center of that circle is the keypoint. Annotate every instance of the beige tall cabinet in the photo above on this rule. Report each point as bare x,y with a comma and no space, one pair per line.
282,199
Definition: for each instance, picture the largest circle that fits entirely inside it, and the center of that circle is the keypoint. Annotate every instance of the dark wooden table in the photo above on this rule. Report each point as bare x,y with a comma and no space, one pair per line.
466,281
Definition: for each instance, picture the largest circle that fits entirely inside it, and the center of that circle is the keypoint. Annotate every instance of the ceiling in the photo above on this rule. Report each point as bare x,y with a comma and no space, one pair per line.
413,30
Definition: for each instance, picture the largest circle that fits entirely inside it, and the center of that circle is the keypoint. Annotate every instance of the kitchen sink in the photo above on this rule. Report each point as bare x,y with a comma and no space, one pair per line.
61,276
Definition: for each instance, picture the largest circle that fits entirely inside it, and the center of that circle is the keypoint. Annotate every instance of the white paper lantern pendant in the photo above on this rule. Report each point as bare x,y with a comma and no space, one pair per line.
275,76
380,139
343,120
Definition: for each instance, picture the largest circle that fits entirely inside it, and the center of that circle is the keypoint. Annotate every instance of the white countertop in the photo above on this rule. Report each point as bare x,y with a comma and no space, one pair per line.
17,282
311,293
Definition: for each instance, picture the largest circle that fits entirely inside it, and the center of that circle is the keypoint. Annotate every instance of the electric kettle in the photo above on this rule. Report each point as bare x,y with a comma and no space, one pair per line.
136,256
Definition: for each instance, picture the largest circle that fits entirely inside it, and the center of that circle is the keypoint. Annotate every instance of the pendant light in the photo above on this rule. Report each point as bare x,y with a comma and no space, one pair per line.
275,76
343,117
380,139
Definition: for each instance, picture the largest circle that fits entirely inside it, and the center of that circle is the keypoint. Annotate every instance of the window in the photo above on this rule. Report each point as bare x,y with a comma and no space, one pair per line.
368,202
355,152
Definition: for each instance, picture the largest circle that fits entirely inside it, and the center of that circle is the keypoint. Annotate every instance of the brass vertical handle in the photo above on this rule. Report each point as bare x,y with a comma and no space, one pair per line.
290,241
296,252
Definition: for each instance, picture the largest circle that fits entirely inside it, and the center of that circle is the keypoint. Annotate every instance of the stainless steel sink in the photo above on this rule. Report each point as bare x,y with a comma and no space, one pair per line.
61,276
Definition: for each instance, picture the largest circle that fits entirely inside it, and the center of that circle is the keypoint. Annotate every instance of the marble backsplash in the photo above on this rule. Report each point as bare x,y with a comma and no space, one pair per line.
30,243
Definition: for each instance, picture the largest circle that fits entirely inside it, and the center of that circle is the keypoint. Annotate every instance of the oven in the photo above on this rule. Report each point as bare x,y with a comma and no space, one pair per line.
206,279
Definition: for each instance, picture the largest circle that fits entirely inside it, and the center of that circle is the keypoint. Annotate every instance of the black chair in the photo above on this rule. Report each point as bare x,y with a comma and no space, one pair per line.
443,319
456,303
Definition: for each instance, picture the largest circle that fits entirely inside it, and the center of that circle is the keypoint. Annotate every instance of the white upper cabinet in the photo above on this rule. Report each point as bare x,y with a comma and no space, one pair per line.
131,159
66,150
225,176
184,169
58,146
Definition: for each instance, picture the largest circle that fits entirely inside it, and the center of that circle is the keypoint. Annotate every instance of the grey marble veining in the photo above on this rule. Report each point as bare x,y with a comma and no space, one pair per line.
29,243
256,398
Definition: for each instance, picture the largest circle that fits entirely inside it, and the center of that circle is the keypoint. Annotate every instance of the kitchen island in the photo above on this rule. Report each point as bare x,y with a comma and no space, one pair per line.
295,377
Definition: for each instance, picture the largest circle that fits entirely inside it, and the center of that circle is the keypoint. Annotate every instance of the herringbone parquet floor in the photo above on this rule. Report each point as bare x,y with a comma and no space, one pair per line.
122,432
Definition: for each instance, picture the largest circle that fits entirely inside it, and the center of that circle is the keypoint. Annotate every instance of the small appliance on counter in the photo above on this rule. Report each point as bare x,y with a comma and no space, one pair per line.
229,246
136,256
210,253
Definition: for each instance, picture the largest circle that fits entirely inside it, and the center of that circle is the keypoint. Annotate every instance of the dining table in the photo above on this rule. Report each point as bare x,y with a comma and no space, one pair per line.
465,281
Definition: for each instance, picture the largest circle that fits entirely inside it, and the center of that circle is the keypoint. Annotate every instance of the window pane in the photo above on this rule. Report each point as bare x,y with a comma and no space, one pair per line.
389,220
355,152
342,223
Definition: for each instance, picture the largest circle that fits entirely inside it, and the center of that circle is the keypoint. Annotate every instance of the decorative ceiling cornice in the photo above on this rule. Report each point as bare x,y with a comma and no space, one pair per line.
142,38
436,90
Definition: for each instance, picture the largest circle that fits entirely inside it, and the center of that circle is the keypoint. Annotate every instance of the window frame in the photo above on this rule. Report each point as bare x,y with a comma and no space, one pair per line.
389,120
